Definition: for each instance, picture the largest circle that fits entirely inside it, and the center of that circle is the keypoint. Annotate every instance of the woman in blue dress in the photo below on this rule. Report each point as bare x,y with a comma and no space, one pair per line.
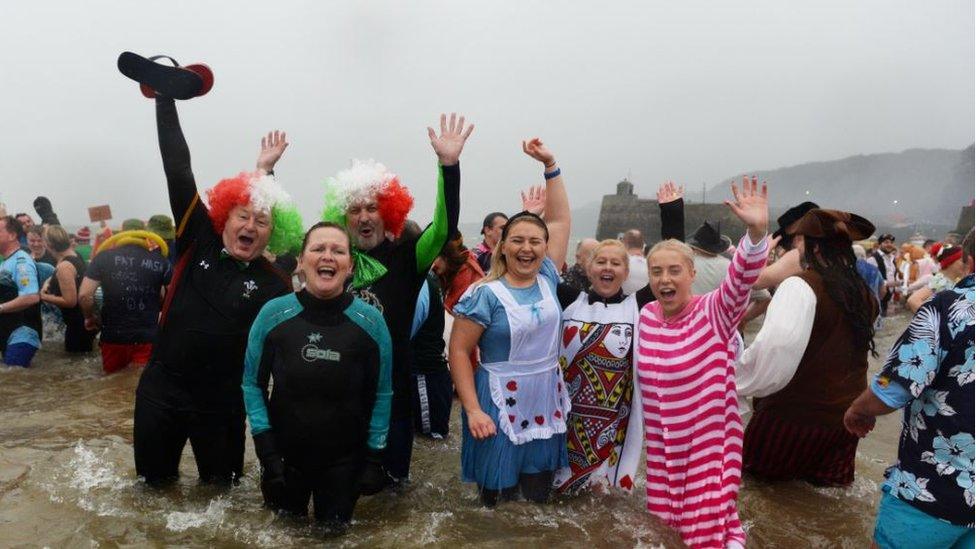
515,405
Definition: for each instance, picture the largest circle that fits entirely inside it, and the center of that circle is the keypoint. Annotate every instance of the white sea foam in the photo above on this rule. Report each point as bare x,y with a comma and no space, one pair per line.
179,521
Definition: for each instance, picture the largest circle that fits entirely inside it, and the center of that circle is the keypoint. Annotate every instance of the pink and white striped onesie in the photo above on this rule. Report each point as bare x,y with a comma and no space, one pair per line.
686,369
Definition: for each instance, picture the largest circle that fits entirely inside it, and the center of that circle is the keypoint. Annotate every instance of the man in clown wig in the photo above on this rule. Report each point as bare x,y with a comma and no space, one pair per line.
191,387
373,205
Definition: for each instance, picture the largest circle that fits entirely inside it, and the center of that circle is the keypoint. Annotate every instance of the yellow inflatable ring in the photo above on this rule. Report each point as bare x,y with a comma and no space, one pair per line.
139,238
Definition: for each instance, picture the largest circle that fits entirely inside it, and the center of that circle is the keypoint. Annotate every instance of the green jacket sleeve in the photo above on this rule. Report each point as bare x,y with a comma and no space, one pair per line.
447,209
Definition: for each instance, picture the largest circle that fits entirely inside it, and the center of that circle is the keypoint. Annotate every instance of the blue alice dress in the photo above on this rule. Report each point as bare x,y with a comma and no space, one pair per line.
519,383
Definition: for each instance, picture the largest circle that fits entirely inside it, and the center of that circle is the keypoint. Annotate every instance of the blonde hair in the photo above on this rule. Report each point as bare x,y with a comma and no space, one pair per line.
57,238
673,245
611,243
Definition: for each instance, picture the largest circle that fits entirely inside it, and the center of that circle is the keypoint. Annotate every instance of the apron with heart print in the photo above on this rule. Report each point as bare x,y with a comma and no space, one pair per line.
528,388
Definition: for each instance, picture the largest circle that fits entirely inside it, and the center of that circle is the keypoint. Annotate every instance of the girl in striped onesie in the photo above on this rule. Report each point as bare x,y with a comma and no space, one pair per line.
686,369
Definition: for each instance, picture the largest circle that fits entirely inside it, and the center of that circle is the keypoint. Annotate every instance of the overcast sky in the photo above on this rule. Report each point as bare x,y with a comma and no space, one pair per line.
693,91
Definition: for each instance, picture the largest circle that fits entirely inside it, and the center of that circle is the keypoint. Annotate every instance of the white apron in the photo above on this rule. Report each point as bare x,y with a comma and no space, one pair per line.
528,388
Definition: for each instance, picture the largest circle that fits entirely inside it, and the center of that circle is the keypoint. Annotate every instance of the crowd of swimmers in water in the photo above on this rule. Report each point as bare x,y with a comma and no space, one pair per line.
330,343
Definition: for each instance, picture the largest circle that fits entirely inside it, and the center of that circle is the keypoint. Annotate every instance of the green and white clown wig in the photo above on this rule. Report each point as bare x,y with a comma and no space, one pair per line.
263,193
366,181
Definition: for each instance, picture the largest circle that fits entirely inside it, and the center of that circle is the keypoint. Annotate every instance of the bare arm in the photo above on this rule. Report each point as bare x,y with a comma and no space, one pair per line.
86,297
860,417
20,303
785,267
918,298
464,338
557,201
69,292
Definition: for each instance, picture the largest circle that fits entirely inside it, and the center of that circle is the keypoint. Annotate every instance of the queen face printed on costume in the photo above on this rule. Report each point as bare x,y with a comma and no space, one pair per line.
618,340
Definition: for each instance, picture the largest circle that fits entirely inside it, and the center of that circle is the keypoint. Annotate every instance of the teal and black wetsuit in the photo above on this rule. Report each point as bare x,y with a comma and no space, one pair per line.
407,262
330,404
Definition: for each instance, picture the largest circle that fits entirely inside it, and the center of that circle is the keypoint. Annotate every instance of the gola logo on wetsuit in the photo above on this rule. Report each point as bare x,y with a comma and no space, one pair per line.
311,351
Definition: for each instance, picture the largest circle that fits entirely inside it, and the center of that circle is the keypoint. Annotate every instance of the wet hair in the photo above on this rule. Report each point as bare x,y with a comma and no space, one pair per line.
674,245
455,255
834,261
13,225
498,265
490,220
326,225
56,238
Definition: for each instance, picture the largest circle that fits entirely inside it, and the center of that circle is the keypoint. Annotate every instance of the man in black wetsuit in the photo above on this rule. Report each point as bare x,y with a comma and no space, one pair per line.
407,262
191,387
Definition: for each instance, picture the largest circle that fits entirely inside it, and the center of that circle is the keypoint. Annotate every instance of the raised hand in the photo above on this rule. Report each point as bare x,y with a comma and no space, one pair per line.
669,192
537,149
272,147
751,206
449,144
534,201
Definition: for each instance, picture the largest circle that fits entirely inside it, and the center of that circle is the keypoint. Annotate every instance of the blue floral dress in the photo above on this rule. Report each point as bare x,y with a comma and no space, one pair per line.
930,373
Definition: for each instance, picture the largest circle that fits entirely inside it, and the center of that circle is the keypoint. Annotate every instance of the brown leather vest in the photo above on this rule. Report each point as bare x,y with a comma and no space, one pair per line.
831,374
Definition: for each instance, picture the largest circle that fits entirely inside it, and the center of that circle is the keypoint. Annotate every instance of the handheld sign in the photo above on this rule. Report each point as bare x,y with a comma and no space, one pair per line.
99,213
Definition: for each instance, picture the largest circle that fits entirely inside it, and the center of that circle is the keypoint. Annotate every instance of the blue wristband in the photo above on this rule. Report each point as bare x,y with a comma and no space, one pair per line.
552,175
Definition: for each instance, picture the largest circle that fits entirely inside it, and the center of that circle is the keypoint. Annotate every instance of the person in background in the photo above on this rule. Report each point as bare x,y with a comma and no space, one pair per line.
884,259
711,266
433,391
20,309
61,290
577,276
456,269
82,243
637,271
26,222
35,244
491,230
132,278
927,495
162,225
952,268
871,275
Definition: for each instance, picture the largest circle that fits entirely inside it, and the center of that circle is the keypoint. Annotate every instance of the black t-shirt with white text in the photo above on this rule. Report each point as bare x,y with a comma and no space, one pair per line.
131,277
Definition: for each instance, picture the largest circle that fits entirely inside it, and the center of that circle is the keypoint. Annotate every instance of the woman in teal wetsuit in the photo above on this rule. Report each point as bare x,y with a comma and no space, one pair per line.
321,430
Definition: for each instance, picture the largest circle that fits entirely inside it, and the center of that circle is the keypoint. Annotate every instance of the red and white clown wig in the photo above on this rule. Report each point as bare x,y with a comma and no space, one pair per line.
365,181
262,193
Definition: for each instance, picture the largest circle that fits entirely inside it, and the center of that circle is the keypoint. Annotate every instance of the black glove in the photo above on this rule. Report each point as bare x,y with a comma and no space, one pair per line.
272,469
43,208
373,478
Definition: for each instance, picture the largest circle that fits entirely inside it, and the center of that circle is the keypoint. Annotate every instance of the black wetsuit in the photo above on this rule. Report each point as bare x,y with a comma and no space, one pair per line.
330,405
191,387
433,391
395,294
76,338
